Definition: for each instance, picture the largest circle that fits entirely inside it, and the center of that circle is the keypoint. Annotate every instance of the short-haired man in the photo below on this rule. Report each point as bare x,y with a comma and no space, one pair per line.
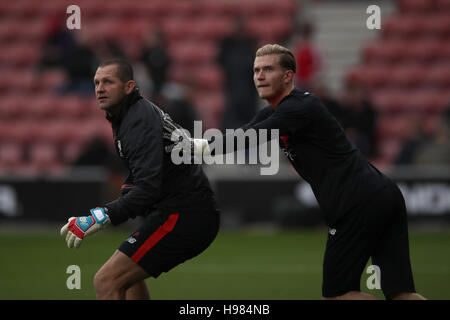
180,213
364,210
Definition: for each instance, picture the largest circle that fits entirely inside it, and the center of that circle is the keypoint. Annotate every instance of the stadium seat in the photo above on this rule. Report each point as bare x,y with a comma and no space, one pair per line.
416,6
210,105
44,157
390,101
70,106
17,81
218,8
193,52
438,76
376,77
444,52
20,131
51,80
211,27
442,5
383,52
392,127
437,26
11,155
19,55
40,106
425,51
176,29
402,27
407,76
275,28
11,106
208,77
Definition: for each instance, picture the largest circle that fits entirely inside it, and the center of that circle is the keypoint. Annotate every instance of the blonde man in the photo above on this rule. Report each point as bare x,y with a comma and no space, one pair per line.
364,210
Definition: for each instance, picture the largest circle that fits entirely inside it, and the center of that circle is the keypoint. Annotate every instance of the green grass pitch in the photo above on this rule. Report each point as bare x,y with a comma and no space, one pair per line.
282,265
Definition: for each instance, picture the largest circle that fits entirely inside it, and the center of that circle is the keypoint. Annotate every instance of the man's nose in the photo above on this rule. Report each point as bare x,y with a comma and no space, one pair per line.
260,75
100,87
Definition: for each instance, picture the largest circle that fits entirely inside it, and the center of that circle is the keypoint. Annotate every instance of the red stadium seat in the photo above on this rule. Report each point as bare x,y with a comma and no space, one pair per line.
417,6
11,155
22,132
40,106
444,52
49,81
218,8
211,27
177,28
11,106
425,51
442,5
403,27
390,101
193,52
393,127
383,52
407,76
374,77
208,77
44,157
438,76
437,26
275,28
17,81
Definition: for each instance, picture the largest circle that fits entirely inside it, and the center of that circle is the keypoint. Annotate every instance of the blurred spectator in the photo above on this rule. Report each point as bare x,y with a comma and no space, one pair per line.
235,56
359,118
308,58
331,103
437,152
157,61
80,63
178,102
415,139
59,41
97,153
109,49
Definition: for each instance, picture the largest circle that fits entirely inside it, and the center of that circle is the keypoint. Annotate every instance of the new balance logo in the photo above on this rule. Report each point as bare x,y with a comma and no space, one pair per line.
131,240
332,231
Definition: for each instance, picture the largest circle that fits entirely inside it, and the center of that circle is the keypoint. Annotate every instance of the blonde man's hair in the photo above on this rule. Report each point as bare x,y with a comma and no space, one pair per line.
287,59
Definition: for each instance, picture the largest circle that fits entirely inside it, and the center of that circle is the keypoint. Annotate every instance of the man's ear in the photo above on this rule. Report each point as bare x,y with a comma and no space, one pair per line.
289,76
129,86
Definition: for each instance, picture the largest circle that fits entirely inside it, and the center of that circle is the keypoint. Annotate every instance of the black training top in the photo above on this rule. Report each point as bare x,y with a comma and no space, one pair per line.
154,181
321,153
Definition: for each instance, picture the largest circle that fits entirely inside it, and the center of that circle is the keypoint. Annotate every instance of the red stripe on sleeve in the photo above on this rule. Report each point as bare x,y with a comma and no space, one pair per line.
155,237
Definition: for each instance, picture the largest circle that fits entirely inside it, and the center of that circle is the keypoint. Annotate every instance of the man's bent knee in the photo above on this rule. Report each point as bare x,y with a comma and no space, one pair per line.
106,287
116,275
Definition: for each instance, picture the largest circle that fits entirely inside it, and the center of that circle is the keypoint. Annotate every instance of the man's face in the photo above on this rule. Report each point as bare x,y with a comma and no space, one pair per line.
109,89
269,77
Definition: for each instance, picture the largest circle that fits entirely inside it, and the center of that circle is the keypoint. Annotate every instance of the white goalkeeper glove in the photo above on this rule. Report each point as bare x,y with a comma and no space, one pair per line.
78,227
182,141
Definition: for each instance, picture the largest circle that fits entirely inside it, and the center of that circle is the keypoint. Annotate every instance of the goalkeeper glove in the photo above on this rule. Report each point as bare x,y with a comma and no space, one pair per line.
181,141
78,227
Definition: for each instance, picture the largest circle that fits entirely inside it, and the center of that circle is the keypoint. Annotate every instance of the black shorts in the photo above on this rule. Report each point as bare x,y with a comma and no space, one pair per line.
378,230
166,239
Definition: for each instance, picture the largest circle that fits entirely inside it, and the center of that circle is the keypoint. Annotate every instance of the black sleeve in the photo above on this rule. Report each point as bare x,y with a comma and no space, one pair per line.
221,140
290,117
143,145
